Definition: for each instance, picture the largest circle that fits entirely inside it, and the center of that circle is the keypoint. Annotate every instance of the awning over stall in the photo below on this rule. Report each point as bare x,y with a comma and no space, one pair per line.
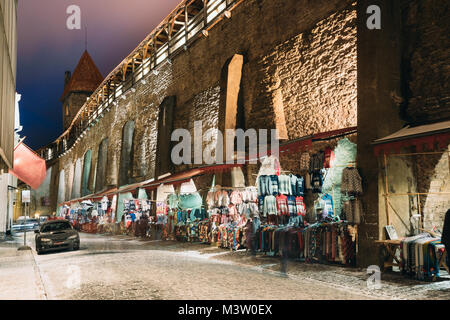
418,136
28,166
186,176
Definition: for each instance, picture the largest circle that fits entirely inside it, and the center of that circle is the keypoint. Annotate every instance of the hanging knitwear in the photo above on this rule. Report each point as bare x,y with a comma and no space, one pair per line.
274,185
284,183
351,182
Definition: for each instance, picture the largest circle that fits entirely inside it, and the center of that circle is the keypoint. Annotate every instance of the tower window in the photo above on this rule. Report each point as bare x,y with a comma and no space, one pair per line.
67,111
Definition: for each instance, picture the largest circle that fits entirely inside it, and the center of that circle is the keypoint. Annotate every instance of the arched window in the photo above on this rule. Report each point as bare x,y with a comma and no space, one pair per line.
86,173
61,187
126,155
102,162
76,185
165,127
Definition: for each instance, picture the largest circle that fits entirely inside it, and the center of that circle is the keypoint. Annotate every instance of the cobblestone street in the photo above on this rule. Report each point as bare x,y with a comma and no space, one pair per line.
120,267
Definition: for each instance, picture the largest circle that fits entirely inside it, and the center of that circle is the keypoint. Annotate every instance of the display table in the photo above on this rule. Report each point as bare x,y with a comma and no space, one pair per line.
391,260
391,247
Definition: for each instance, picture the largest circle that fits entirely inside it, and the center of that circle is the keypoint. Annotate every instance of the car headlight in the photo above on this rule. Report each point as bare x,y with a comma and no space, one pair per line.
73,237
45,240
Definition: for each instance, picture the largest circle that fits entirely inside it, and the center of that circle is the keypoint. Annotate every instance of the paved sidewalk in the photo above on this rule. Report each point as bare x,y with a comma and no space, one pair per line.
19,274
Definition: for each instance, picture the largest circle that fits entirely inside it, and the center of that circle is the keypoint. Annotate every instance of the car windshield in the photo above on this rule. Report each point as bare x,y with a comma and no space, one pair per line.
57,226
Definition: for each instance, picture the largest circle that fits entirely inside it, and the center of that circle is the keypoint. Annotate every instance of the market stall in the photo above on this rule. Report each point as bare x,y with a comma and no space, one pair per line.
416,249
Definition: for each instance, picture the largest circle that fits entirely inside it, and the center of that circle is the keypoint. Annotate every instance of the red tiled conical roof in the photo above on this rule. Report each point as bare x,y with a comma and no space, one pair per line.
86,76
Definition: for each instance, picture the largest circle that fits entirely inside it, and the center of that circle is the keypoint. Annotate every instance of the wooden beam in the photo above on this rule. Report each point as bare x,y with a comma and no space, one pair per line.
186,23
205,14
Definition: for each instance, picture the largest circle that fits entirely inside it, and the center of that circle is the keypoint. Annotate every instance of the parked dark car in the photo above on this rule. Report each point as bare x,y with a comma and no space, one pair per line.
28,224
56,234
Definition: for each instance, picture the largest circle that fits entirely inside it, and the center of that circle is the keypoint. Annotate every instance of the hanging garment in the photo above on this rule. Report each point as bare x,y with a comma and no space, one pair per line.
270,206
282,205
292,206
300,206
250,194
172,201
352,210
236,197
300,186
316,162
316,181
328,209
284,183
222,199
261,204
293,180
274,185
210,199
190,201
249,209
351,182
328,158
264,186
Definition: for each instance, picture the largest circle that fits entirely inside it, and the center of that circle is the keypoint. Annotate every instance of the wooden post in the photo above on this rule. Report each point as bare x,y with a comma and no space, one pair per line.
153,53
388,222
169,37
419,210
133,70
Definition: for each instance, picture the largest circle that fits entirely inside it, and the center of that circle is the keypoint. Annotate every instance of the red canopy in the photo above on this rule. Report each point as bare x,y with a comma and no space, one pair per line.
28,166
425,135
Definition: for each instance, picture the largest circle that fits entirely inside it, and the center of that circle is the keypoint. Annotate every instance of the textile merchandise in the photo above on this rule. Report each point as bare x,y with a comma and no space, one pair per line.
420,256
274,188
190,201
351,182
324,206
231,236
328,158
316,181
270,206
277,194
282,205
264,186
352,211
323,242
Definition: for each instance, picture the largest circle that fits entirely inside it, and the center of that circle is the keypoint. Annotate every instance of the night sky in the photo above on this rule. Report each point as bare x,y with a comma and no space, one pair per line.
46,49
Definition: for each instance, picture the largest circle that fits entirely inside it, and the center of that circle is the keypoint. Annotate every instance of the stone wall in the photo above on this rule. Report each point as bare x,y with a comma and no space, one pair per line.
314,76
309,46
433,177
426,56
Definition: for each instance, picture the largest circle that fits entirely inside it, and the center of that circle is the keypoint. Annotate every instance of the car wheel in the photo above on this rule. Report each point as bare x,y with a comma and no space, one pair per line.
76,246
39,252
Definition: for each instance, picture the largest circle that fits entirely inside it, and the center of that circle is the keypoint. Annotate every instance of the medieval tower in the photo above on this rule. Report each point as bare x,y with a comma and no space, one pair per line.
78,87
